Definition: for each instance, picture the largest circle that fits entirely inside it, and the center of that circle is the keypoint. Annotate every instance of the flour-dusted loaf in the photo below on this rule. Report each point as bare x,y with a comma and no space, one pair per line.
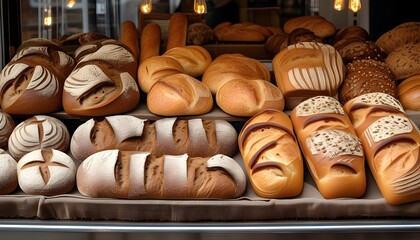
332,150
103,81
32,82
46,172
38,132
391,143
7,124
8,173
408,32
404,61
139,175
409,93
271,155
194,59
308,69
167,136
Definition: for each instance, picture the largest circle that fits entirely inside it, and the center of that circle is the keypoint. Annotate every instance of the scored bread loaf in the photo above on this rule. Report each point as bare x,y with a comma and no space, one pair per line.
271,155
333,153
317,24
7,124
150,41
194,59
139,175
409,93
32,82
177,31
391,143
404,61
167,136
130,37
179,94
408,32
8,173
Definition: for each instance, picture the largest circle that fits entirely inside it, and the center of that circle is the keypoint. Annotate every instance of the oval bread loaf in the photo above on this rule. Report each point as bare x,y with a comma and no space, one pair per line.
404,61
408,32
409,93
194,59
317,24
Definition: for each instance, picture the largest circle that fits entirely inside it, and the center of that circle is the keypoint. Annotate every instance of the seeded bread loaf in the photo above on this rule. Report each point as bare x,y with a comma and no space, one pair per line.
409,93
400,35
404,61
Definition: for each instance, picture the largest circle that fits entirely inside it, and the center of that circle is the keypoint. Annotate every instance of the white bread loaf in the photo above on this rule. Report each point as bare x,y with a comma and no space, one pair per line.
7,124
8,173
333,152
103,81
271,155
32,82
46,172
38,132
139,175
308,69
409,93
391,143
179,94
167,136
194,59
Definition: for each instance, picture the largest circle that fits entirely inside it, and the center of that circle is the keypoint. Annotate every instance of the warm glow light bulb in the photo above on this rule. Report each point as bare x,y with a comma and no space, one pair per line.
146,6
339,5
47,18
200,6
355,5
71,3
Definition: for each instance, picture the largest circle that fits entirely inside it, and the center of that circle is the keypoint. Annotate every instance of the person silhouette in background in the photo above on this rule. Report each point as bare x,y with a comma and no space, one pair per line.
219,11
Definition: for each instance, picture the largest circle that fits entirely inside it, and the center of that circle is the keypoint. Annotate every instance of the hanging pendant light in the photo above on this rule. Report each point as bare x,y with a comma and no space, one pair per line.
146,6
71,3
339,5
200,6
355,5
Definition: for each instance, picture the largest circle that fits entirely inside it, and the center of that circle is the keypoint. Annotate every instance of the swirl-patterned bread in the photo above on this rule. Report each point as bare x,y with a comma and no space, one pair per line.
38,132
333,153
167,136
391,142
32,82
308,69
7,124
103,81
8,173
139,175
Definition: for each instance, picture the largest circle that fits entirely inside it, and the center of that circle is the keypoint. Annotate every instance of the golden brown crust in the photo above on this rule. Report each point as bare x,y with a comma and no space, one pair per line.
241,32
177,31
409,93
317,24
150,41
402,34
404,61
129,36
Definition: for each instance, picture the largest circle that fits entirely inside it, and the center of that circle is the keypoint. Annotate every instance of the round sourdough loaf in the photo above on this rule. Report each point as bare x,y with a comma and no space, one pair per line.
8,173
409,93
7,124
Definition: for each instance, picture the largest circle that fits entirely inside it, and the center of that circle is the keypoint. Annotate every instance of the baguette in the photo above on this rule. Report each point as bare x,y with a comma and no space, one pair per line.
7,124
177,31
129,36
139,175
150,41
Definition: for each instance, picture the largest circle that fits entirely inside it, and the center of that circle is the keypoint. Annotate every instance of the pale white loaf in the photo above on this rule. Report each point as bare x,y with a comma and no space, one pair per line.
7,124
8,173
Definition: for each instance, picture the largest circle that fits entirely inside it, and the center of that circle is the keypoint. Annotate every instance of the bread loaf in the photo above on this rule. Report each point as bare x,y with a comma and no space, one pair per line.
8,173
404,61
32,82
130,37
241,32
333,153
353,31
194,59
199,33
167,136
150,41
103,81
317,24
226,67
409,93
302,35
179,94
354,48
177,31
308,69
243,97
7,124
391,142
139,175
400,35
271,155
46,172
276,42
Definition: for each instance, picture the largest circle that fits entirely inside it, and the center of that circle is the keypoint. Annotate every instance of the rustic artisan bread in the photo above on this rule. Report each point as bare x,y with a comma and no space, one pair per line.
179,94
8,173
276,42
366,76
391,144
199,33
271,155
317,24
7,124
241,32
352,31
103,81
130,37
332,151
150,41
155,68
194,59
177,31
38,132
400,35
404,61
354,48
308,69
243,97
46,172
226,67
166,136
32,82
409,93
139,175
302,35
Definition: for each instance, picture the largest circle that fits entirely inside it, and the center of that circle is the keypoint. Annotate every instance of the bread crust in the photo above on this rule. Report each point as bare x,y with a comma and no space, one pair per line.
150,41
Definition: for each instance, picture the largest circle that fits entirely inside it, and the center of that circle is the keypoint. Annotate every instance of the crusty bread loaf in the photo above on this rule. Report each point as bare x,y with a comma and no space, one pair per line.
233,66
400,35
404,61
243,97
8,173
38,132
353,31
150,41
241,32
46,172
155,68
308,69
354,48
194,59
317,24
177,31
7,124
179,94
391,144
167,136
271,155
302,35
409,93
139,175
130,37
103,81
276,42
366,76
333,152
32,82
199,33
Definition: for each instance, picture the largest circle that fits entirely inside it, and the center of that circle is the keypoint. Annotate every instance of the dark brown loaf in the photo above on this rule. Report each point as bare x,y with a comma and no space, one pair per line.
7,124
276,42
150,41
402,34
352,31
333,152
139,175
409,93
167,136
355,48
177,31
404,61
8,173
302,35
199,34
